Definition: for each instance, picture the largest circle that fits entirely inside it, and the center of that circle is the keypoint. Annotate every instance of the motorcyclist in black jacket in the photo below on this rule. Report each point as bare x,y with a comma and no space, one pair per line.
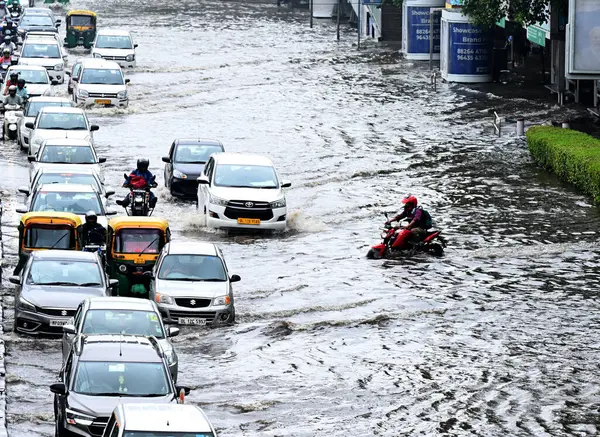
93,232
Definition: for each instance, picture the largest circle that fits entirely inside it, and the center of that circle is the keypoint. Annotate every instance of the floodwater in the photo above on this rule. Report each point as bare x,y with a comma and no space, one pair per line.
499,337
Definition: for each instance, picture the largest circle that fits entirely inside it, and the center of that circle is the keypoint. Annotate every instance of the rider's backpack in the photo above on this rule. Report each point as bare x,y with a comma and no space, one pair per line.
427,221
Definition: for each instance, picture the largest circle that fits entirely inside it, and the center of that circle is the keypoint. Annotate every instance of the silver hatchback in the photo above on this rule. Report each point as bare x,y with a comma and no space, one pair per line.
51,286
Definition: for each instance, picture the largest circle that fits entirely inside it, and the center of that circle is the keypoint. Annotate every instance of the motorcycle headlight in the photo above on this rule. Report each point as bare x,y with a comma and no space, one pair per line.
217,201
278,203
179,175
129,58
59,67
97,55
25,305
164,298
222,300
83,94
75,417
122,94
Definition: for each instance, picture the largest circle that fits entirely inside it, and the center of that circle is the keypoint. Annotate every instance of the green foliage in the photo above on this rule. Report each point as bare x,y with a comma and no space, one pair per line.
574,156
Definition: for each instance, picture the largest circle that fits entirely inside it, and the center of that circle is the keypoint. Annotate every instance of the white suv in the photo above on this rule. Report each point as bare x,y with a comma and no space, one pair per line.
115,45
238,190
100,82
47,53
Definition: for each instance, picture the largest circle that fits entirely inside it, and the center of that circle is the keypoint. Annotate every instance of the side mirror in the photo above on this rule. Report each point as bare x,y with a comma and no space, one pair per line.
59,388
68,73
94,127
75,79
135,46
29,125
31,158
23,190
172,331
166,159
58,21
109,193
22,210
101,160
285,184
203,180
149,274
185,389
54,82
14,280
69,329
109,211
112,283
235,278
127,80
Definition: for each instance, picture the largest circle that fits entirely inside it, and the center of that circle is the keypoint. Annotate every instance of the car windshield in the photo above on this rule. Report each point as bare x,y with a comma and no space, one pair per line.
31,76
36,20
138,240
102,76
68,155
130,322
33,108
166,434
81,20
68,178
77,203
41,51
62,120
245,176
195,153
97,378
50,236
193,268
113,42
60,272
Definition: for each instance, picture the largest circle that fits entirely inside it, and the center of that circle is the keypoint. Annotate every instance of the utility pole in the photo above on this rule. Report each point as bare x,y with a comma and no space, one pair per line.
311,14
358,26
338,18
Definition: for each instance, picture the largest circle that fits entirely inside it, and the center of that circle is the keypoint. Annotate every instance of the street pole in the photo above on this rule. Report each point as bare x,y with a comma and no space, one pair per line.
359,26
338,18
431,14
311,14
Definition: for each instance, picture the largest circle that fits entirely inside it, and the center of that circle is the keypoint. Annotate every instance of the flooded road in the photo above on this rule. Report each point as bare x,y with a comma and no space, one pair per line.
499,337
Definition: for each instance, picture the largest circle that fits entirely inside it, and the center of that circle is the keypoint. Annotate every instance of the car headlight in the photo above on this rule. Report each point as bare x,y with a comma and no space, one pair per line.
222,300
97,55
171,357
129,58
122,94
25,305
83,94
59,67
164,298
278,203
179,175
217,201
75,417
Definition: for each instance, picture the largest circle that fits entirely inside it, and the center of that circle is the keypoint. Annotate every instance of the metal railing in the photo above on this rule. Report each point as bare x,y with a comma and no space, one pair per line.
433,78
497,124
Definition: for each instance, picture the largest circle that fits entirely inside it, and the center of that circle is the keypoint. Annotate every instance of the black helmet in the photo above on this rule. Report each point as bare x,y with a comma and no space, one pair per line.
12,90
13,76
21,82
143,164
91,217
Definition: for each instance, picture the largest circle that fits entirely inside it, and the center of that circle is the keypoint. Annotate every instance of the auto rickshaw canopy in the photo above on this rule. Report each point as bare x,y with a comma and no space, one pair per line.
73,23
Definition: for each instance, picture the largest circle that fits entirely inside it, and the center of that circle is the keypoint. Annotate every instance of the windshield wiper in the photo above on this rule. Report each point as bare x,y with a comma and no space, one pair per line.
148,246
89,284
151,395
212,280
56,283
59,240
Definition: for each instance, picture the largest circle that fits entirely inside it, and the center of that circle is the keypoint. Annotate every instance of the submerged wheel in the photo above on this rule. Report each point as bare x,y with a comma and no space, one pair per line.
373,254
436,249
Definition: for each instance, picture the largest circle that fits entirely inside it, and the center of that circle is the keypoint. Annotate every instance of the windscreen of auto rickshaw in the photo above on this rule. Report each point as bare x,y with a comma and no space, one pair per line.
77,203
113,42
50,236
62,120
193,268
32,108
130,322
68,155
195,153
81,20
138,240
67,178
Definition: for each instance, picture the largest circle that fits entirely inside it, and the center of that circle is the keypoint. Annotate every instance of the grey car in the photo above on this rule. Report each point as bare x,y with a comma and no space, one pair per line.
121,315
192,286
51,286
103,371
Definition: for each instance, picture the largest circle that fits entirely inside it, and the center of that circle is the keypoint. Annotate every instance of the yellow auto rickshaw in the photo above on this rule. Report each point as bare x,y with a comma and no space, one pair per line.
133,245
47,230
81,28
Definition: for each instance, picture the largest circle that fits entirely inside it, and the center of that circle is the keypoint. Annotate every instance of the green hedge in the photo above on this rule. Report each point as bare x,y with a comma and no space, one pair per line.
574,156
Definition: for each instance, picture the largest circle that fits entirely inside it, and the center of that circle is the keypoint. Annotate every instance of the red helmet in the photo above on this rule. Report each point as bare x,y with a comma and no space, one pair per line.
410,200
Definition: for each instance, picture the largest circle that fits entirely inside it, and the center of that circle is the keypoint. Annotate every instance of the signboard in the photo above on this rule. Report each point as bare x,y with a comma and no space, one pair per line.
418,25
501,23
371,2
470,49
536,35
583,38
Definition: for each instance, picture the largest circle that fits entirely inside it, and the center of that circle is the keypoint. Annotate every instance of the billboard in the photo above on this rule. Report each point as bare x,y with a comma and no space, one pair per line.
583,38
470,49
418,26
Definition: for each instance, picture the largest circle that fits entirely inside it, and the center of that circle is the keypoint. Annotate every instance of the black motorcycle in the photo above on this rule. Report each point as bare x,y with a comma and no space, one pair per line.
139,200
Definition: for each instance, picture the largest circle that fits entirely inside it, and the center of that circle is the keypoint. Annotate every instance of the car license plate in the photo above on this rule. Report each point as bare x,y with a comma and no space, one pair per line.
58,322
102,102
247,221
192,321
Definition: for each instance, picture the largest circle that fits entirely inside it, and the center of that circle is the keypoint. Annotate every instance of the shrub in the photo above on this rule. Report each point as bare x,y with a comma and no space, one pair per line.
574,156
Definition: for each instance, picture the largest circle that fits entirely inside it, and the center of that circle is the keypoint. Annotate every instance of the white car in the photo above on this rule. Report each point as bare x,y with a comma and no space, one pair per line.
44,52
52,36
75,198
37,80
61,151
238,190
100,82
115,45
32,107
59,123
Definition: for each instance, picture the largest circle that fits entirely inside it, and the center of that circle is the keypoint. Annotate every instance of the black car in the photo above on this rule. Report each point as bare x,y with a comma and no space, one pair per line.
185,163
103,371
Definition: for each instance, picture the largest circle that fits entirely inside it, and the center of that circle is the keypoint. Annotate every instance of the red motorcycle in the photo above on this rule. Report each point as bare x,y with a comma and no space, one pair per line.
433,243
